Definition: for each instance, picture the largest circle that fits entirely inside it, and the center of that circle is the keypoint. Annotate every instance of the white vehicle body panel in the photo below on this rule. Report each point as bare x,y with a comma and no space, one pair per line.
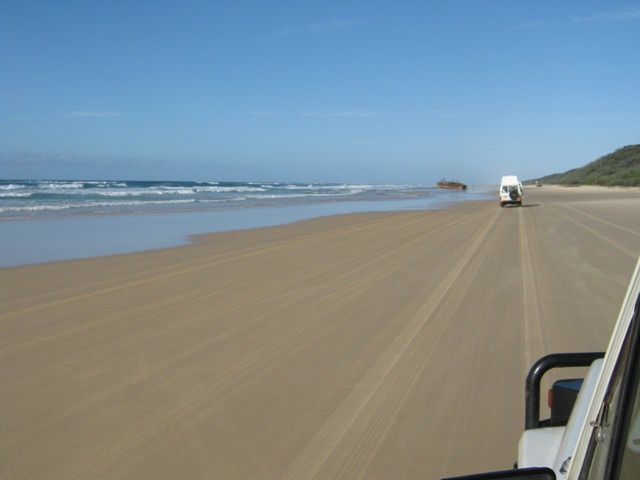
551,446
539,447
510,191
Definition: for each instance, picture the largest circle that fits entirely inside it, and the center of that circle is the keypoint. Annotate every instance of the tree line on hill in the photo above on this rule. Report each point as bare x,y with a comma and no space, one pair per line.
620,168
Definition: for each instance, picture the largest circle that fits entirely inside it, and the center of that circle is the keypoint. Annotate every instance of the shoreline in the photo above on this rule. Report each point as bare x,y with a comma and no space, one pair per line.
86,236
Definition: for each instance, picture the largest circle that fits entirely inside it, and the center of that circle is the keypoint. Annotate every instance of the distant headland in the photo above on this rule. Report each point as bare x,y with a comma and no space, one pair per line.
620,168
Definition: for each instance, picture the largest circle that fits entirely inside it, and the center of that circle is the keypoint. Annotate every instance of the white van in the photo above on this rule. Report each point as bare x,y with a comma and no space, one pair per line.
510,192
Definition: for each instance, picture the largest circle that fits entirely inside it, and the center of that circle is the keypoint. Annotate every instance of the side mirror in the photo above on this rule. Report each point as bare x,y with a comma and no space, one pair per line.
534,473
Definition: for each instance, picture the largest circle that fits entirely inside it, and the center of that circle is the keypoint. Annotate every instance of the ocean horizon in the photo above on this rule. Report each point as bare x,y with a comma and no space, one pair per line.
52,220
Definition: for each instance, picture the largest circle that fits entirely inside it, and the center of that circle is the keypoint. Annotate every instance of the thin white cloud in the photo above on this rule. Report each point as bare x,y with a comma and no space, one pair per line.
318,114
608,17
600,17
345,113
263,113
90,114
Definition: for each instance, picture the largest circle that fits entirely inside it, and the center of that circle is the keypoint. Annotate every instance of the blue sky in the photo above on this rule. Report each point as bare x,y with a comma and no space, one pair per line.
344,91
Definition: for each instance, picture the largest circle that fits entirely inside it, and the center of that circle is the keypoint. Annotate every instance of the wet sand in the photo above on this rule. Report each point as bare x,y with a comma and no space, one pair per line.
373,345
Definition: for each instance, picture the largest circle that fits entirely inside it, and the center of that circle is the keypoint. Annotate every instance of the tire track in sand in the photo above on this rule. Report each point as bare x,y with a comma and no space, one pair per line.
362,398
604,237
533,337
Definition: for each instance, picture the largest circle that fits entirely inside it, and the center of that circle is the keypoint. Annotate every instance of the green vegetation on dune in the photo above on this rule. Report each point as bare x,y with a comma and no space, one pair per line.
620,168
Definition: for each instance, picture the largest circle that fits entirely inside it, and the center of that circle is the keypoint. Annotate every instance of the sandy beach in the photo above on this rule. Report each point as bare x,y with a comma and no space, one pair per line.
371,345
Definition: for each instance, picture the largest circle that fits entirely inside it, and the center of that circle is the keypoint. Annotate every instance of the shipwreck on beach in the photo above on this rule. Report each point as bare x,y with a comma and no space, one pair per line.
452,185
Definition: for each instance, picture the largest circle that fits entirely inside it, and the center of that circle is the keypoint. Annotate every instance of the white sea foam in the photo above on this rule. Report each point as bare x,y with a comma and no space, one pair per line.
15,194
92,205
11,186
37,198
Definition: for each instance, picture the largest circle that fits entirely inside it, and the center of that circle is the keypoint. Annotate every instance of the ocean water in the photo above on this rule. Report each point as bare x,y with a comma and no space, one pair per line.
49,220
